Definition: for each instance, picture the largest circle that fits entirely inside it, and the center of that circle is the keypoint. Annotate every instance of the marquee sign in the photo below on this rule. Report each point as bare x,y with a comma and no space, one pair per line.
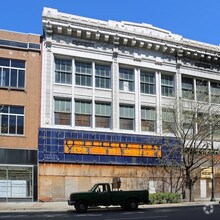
111,148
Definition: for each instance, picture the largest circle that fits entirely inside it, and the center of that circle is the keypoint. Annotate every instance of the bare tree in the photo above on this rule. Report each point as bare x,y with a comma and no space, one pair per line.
196,125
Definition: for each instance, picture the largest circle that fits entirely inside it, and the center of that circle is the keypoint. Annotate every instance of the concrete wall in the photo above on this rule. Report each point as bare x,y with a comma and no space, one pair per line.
57,181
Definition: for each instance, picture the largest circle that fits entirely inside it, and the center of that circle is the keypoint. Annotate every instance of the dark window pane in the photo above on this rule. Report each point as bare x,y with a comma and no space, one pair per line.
16,110
77,80
62,78
34,46
57,77
4,124
14,78
18,63
4,77
20,125
69,78
62,118
82,120
4,62
4,109
83,80
102,122
127,124
21,79
12,124
147,125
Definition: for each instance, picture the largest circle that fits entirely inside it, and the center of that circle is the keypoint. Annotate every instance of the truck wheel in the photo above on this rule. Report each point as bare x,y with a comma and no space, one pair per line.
132,205
81,206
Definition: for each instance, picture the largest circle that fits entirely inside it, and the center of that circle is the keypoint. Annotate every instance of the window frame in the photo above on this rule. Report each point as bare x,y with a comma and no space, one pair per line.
82,78
65,113
8,113
129,79
165,128
202,95
147,85
124,117
148,120
187,90
103,81
8,70
215,98
106,116
64,74
83,113
167,89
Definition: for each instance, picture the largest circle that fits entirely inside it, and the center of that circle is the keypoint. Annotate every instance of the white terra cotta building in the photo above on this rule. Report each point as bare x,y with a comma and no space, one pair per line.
105,86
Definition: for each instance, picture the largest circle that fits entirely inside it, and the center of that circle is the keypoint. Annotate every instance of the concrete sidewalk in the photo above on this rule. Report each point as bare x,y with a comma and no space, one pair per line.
63,206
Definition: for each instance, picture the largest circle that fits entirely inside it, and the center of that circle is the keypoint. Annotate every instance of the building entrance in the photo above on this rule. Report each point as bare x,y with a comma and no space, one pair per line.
16,183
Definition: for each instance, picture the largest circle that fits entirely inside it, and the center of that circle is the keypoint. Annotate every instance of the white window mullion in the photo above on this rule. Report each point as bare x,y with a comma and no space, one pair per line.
93,97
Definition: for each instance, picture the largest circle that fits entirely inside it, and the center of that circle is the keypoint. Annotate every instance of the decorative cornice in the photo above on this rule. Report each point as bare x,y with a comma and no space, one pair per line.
129,34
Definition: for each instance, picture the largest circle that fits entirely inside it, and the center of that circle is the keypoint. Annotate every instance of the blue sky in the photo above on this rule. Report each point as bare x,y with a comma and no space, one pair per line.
194,19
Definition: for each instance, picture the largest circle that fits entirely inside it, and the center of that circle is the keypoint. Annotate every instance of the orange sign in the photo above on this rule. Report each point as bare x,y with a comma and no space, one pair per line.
111,148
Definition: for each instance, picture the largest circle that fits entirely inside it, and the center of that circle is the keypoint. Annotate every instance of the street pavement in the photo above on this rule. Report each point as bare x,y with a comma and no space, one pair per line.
63,206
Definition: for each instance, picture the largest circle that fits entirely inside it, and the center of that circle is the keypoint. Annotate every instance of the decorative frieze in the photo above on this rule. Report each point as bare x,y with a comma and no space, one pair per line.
128,34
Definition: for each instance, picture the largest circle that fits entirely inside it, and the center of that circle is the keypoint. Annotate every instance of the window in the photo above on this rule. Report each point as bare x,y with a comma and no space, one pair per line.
15,44
168,120
188,122
126,79
102,76
216,128
16,182
203,121
83,74
102,115
83,112
63,71
126,117
215,92
148,83
12,73
167,85
148,119
187,88
62,111
12,120
202,90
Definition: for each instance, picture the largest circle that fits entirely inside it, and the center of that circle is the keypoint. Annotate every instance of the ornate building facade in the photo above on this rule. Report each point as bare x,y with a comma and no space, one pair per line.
106,89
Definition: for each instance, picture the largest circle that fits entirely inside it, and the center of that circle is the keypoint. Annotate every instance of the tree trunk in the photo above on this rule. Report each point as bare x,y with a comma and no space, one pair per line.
189,194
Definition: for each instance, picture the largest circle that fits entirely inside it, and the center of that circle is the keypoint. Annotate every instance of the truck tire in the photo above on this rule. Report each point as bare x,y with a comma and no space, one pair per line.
81,206
132,205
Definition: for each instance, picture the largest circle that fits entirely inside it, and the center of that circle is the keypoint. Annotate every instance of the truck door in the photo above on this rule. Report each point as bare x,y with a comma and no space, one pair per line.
102,195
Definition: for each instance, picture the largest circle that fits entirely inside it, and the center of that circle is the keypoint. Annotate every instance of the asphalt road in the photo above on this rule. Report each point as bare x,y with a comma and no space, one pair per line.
173,213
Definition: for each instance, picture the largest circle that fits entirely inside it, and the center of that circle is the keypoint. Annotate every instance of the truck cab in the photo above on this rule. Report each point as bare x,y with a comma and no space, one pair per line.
101,194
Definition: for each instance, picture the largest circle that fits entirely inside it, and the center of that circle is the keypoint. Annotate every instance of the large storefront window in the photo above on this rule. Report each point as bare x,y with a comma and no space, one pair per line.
16,183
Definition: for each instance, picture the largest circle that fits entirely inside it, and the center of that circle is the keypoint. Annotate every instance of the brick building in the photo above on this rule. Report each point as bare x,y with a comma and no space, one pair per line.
20,86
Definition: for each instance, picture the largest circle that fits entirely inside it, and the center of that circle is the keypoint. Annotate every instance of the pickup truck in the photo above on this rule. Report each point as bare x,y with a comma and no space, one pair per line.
101,194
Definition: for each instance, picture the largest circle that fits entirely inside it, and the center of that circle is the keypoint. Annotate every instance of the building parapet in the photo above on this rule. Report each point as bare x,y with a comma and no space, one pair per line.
129,34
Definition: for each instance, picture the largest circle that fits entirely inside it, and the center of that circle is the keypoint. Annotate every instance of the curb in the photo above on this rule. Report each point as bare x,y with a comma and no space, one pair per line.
63,206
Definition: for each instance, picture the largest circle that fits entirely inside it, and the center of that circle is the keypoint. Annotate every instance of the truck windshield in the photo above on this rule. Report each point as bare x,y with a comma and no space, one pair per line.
93,188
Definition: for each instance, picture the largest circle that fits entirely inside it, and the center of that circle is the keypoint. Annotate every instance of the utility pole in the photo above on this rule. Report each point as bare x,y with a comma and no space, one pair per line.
213,179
